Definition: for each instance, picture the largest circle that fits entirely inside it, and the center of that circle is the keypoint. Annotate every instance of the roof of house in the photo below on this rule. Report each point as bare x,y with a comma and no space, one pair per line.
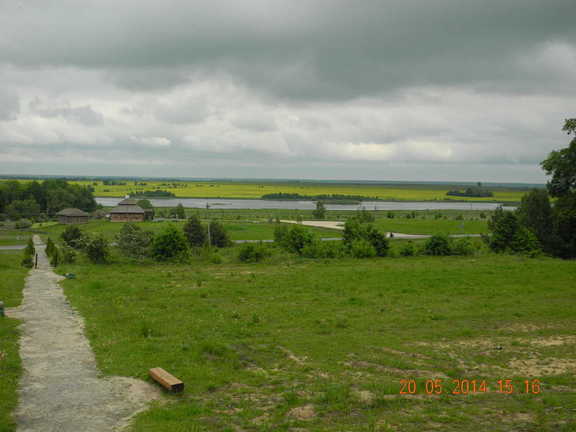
127,208
72,212
128,201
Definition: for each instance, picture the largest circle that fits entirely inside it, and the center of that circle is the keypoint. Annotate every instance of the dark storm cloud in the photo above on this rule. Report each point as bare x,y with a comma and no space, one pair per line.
304,50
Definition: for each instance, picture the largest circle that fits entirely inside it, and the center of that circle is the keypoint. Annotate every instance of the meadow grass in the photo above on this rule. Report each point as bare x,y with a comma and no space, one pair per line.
257,343
200,189
14,237
237,230
11,284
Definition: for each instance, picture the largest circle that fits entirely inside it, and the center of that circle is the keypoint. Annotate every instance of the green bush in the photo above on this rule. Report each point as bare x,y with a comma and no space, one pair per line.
133,241
408,249
324,249
73,236
362,248
296,239
170,245
49,246
68,255
438,245
30,250
195,232
218,235
252,252
97,249
27,261
55,257
280,232
355,230
463,247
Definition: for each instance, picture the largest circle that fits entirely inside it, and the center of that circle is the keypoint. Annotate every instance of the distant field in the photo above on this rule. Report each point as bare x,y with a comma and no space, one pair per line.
13,237
255,191
324,346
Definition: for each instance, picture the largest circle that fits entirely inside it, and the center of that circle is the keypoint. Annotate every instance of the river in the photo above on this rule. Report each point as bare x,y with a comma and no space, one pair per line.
256,204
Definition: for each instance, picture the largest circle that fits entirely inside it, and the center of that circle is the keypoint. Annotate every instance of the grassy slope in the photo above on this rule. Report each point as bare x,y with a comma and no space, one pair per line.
13,237
253,342
255,191
11,284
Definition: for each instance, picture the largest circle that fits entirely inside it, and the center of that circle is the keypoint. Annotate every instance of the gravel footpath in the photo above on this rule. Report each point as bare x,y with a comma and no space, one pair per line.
61,389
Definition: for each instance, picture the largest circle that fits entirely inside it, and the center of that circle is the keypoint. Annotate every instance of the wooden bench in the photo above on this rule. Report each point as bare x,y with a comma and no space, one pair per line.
166,380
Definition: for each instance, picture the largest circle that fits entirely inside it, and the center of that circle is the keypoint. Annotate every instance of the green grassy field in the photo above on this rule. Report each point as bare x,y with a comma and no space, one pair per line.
432,226
416,192
237,230
13,237
11,284
324,345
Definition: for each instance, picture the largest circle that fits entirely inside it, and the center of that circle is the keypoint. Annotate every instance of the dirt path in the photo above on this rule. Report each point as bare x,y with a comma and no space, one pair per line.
61,389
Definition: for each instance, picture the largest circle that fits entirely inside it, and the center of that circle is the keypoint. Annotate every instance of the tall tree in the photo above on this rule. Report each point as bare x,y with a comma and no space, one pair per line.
561,165
535,213
195,232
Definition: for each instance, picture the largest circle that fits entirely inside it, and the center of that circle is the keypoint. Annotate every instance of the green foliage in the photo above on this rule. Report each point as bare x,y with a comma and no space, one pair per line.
408,249
508,235
355,230
218,235
26,208
170,245
364,216
195,232
535,213
438,245
565,226
320,211
180,212
133,241
561,165
30,250
27,261
324,249
252,253
97,249
55,258
462,246
73,236
49,246
67,255
296,239
362,248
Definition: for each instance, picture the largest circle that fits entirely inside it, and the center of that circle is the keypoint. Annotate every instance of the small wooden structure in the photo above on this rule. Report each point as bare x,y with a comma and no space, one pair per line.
127,211
72,216
166,380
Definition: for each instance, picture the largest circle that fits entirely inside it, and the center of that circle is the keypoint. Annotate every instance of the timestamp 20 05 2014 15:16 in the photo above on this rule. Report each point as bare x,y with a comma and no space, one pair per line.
466,386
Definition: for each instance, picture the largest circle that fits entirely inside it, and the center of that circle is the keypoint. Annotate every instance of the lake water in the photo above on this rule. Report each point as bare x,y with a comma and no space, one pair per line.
247,204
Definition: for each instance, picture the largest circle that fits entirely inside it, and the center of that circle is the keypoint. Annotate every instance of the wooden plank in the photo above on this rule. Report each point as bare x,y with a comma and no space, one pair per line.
166,380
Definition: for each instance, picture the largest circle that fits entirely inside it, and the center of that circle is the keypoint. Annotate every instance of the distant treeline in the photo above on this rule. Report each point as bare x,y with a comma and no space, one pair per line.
322,197
36,199
473,192
152,193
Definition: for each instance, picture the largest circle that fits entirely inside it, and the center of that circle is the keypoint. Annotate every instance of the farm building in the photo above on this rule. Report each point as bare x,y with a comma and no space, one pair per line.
127,211
72,216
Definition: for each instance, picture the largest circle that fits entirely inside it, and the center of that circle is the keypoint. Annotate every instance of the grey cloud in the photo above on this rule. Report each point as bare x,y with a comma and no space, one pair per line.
9,104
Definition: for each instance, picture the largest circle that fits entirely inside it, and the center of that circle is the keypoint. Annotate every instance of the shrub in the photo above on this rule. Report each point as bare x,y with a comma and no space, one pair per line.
133,241
354,230
252,252
296,239
364,216
27,261
463,247
30,250
438,245
361,248
320,211
55,257
218,235
408,249
97,249
49,246
72,236
390,215
195,232
170,245
280,232
324,249
68,255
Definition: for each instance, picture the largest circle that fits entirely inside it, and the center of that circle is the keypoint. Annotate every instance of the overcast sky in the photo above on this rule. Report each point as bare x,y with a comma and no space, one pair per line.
342,89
